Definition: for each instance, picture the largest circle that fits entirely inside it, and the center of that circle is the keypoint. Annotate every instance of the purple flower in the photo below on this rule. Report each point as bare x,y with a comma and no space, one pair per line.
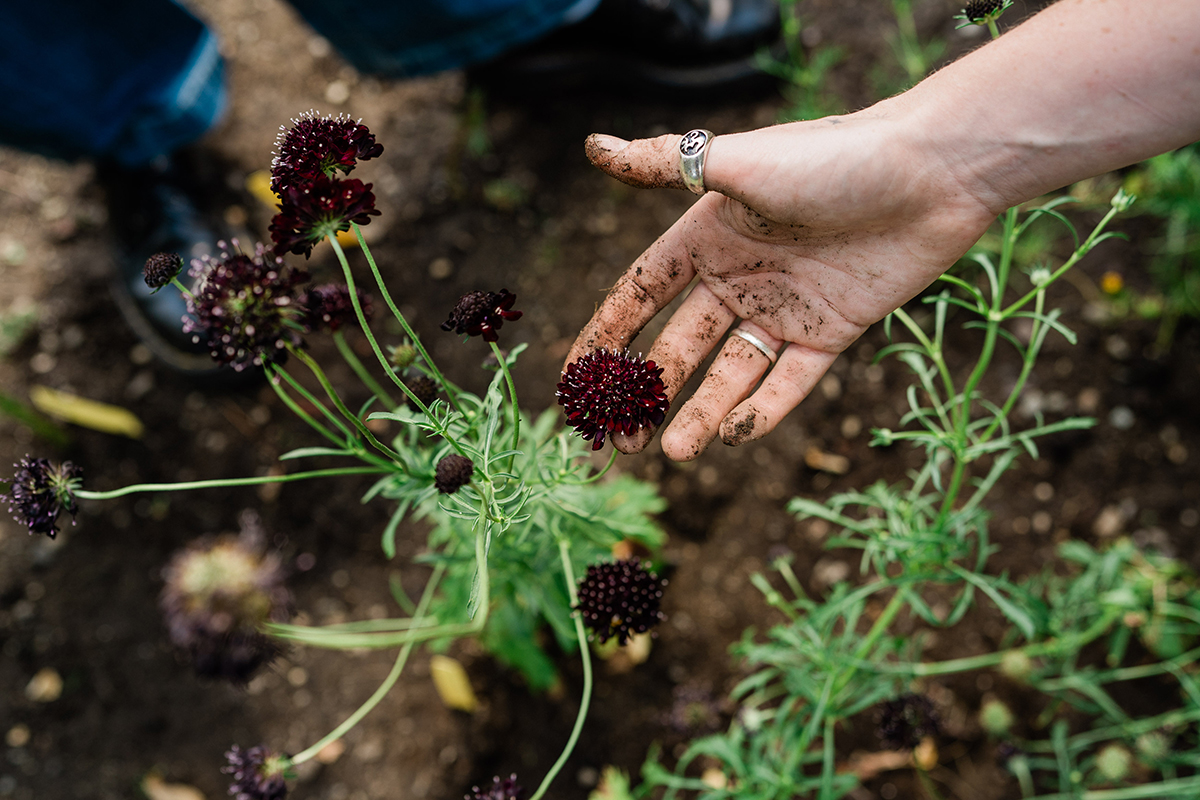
482,314
243,308
161,268
328,307
609,391
453,472
620,599
318,209
506,789
218,593
40,491
258,773
318,146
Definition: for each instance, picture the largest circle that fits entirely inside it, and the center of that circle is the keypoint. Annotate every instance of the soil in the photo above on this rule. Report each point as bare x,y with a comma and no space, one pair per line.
529,213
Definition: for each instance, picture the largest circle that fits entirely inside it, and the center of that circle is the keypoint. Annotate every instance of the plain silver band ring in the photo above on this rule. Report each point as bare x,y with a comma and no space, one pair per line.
693,151
758,343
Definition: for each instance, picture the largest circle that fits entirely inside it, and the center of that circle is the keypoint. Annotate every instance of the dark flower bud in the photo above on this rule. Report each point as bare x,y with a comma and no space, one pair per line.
506,789
258,773
40,491
318,146
482,314
329,307
906,720
981,12
403,356
453,472
160,268
620,599
218,594
425,389
609,391
322,208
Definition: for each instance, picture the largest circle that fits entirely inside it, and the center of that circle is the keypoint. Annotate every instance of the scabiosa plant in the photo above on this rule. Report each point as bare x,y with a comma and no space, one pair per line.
320,208
40,491
610,391
453,473
620,599
506,789
318,146
258,773
328,307
482,314
244,308
218,593
906,720
983,12
423,389
161,268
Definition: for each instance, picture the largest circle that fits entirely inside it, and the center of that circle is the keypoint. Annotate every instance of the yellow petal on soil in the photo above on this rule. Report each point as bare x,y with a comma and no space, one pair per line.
818,459
155,788
715,778
45,687
88,413
452,684
925,755
258,184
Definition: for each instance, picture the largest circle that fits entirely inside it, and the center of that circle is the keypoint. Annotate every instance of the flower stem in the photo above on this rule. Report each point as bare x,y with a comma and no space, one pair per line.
274,375
355,364
209,484
182,289
564,550
512,396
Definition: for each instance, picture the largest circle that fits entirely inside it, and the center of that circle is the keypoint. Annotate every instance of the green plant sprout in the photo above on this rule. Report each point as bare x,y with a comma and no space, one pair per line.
803,72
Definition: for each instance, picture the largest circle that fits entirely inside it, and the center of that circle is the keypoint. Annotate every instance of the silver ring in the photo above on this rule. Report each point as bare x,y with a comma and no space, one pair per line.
758,343
693,151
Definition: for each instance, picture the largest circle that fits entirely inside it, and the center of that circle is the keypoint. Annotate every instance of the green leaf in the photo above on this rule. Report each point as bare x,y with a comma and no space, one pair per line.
309,452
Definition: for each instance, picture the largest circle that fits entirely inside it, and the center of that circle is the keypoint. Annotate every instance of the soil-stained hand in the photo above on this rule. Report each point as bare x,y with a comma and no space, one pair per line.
809,233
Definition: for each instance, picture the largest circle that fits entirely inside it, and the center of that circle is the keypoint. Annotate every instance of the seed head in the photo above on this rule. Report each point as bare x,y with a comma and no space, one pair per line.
506,789
160,268
610,391
258,773
403,355
320,208
426,390
40,490
318,146
620,599
244,308
981,12
328,307
906,720
482,314
218,593
453,472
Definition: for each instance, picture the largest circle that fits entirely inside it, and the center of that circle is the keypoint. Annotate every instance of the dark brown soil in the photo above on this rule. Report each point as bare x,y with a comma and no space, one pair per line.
531,214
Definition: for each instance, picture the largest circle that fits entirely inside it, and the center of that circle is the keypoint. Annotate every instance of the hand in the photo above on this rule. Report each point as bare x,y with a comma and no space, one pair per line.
810,232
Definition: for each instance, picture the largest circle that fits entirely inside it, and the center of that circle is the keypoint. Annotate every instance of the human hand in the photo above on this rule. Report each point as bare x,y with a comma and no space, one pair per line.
810,232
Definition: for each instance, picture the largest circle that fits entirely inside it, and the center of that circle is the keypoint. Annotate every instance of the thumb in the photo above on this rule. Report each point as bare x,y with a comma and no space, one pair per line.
644,163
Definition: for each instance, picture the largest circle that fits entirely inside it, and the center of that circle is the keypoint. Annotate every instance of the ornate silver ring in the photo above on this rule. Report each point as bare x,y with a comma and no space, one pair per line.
758,343
693,150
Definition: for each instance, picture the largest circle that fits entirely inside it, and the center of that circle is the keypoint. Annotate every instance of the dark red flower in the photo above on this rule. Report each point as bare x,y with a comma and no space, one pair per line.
40,491
610,391
258,773
160,268
243,308
309,213
328,307
506,789
425,389
318,146
453,472
620,599
482,314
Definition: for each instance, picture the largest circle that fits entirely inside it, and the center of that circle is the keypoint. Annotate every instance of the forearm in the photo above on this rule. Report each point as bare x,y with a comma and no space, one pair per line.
1082,88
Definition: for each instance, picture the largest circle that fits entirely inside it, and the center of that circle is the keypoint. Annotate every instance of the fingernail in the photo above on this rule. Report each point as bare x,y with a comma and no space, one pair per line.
601,145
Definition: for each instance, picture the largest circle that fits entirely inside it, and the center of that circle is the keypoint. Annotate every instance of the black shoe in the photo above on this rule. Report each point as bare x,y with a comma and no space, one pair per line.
153,210
688,48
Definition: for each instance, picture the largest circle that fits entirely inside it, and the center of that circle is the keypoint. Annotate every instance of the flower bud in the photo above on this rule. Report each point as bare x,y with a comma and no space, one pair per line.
995,717
1114,761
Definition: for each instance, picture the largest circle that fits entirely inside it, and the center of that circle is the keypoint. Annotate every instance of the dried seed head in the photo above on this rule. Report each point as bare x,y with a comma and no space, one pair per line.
620,599
610,391
980,12
453,473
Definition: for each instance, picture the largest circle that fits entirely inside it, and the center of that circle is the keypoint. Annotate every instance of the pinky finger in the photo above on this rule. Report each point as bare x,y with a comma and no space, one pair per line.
785,386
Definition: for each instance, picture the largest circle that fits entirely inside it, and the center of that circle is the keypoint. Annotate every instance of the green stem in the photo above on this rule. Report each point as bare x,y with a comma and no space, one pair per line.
209,484
384,688
512,396
334,419
274,376
564,550
612,458
182,289
350,358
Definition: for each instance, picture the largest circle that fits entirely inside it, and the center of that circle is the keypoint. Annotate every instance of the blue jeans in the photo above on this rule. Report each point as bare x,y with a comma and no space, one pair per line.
132,80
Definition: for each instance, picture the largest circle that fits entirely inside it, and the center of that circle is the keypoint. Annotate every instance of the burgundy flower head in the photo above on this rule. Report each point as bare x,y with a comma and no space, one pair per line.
426,390
320,208
317,146
610,391
506,789
243,308
329,307
453,472
258,773
482,314
40,491
218,593
620,599
160,268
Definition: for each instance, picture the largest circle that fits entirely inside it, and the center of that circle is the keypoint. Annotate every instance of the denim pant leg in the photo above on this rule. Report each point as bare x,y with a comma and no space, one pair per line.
128,80
406,38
